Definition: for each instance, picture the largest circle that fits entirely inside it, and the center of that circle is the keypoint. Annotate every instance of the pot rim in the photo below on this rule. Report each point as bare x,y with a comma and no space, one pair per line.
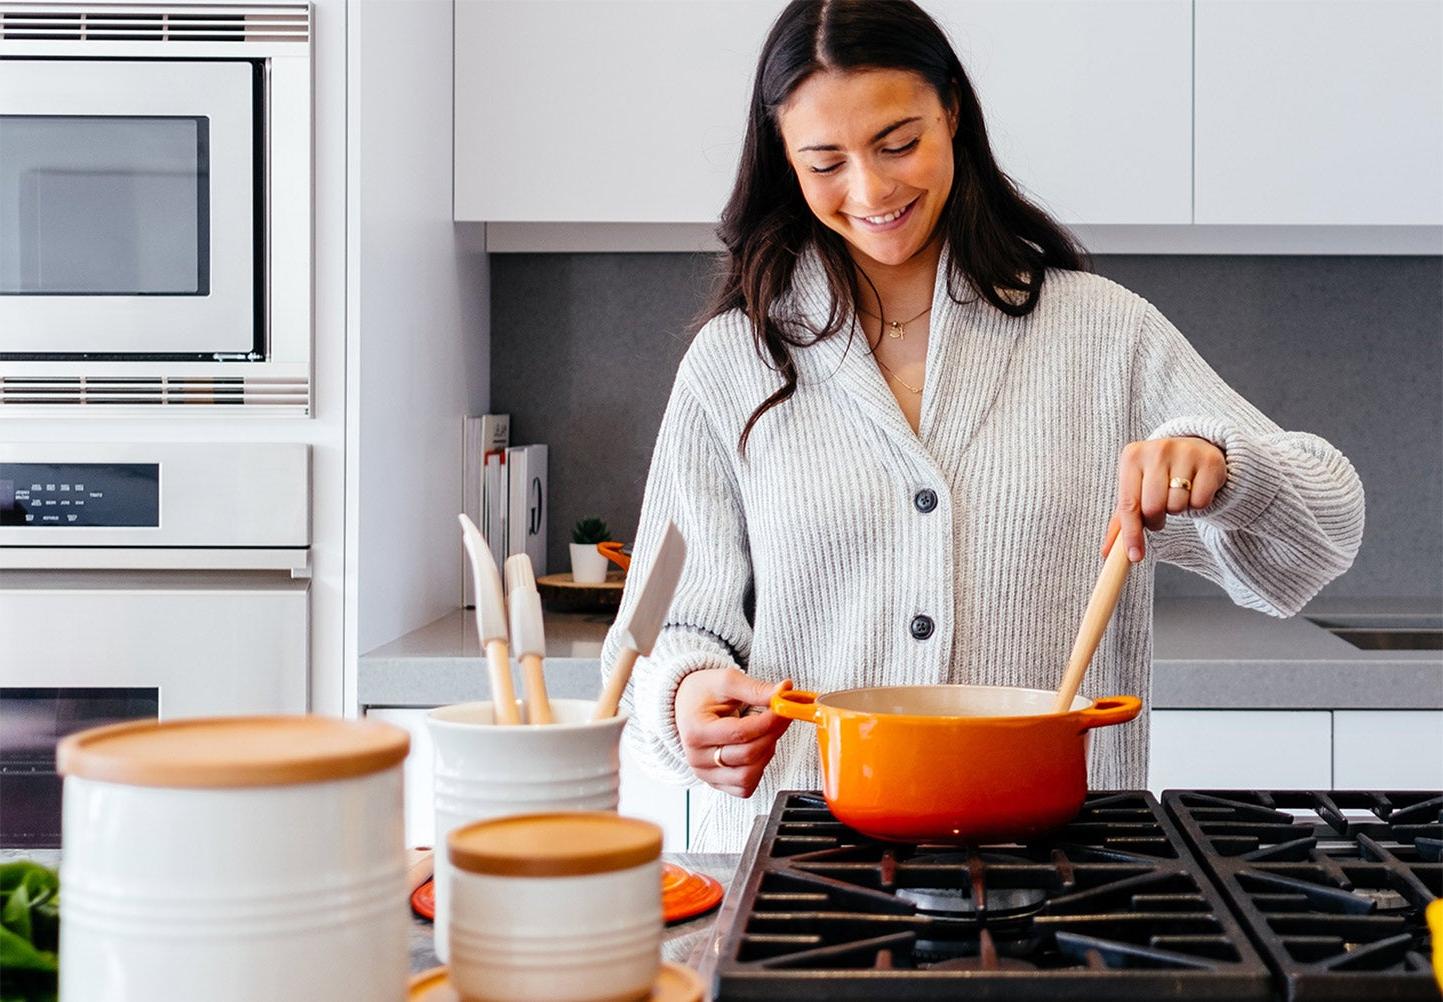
1077,709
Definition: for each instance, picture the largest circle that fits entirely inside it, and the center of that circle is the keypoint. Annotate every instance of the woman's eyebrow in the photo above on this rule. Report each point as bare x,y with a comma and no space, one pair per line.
831,147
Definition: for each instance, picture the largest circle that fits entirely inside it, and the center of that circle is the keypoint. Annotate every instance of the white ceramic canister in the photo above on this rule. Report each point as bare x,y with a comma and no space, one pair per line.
564,907
232,859
488,770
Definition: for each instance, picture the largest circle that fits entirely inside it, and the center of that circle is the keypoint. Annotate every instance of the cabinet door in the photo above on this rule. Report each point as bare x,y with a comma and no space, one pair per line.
645,796
634,112
626,111
1241,749
1088,105
1388,749
417,772
1319,112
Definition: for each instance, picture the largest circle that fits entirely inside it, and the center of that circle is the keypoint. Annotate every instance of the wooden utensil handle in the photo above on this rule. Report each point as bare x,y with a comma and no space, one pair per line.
538,706
1094,623
615,685
503,694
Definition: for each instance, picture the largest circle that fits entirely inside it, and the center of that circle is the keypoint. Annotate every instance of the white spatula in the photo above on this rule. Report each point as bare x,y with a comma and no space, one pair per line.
528,637
646,617
491,620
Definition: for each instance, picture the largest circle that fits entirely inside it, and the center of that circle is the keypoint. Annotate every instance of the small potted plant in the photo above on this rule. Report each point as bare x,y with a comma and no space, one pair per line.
588,564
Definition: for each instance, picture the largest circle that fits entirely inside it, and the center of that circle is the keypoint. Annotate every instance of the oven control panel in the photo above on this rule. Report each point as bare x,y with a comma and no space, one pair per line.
80,494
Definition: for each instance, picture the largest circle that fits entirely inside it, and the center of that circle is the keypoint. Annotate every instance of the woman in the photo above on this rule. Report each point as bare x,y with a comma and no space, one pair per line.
911,423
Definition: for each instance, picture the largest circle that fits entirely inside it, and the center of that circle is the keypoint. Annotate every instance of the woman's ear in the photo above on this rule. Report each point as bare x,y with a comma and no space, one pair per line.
954,109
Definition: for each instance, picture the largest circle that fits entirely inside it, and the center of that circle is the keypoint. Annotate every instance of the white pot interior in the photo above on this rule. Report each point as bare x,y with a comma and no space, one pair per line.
949,701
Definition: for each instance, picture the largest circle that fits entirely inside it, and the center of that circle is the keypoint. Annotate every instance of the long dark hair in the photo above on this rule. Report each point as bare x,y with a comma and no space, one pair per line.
999,242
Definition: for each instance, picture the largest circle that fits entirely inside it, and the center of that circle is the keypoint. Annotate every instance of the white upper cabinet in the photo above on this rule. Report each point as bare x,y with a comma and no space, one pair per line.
633,111
614,111
1088,103
1321,112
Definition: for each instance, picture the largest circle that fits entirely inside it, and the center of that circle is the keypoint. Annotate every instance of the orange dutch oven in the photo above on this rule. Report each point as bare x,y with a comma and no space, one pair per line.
952,763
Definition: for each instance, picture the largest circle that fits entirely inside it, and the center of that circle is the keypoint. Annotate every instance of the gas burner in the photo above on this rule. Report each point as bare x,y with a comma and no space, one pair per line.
971,897
1384,899
986,958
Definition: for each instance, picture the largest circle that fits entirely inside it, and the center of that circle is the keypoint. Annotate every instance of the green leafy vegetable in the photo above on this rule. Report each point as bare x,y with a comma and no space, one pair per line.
29,932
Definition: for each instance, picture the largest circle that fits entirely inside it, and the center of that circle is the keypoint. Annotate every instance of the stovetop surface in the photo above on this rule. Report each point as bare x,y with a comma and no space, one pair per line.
1331,885
1114,905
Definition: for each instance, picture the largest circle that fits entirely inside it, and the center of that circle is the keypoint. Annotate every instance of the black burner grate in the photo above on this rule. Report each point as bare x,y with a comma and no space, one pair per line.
823,913
1332,885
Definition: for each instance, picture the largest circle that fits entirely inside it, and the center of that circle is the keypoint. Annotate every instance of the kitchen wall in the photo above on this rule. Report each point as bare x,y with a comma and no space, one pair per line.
584,348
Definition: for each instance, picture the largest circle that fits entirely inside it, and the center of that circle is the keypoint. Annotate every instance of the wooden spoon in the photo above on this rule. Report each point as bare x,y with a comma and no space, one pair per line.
1094,623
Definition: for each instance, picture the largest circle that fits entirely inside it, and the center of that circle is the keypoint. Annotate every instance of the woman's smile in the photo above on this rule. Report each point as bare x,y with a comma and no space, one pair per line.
882,222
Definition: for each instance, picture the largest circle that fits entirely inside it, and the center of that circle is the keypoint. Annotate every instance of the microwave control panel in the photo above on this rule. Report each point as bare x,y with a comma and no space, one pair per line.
80,494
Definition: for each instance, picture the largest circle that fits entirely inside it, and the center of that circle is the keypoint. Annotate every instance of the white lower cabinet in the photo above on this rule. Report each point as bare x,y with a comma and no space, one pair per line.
641,795
1241,749
1388,749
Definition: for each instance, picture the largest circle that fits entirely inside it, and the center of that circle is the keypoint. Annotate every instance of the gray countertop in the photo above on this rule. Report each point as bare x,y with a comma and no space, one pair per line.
1207,654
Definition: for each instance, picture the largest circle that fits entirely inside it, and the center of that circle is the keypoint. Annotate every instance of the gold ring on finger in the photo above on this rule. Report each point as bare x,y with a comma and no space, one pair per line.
1179,484
716,756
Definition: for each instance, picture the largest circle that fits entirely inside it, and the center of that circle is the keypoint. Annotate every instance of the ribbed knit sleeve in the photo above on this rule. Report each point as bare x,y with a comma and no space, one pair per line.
1290,517
691,483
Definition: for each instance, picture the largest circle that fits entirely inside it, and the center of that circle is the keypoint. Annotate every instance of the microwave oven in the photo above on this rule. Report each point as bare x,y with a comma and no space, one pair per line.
155,208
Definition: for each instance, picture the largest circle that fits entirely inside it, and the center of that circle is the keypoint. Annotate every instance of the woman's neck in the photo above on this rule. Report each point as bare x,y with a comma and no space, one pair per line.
904,289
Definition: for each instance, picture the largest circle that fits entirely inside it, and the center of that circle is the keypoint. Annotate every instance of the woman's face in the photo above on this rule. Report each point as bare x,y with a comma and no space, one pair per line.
872,150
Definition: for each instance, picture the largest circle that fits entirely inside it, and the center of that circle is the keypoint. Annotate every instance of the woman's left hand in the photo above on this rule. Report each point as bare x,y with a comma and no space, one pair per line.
1145,495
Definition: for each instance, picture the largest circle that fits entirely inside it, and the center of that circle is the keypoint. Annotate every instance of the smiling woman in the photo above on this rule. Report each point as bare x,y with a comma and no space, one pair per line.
909,422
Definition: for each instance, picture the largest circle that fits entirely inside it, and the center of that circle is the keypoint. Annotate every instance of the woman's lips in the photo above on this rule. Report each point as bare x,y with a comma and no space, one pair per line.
884,227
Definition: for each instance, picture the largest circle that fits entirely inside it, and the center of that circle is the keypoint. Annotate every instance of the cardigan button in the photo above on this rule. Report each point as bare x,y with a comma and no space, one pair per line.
922,627
925,500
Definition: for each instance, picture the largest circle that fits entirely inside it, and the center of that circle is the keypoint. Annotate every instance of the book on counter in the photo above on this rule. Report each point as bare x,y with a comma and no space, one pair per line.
504,493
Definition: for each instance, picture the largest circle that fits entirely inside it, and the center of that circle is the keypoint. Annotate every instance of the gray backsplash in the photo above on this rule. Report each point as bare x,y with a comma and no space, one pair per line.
584,348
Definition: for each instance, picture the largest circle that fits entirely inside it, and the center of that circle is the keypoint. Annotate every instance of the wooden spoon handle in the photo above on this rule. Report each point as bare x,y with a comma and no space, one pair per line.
1094,623
503,694
615,685
538,706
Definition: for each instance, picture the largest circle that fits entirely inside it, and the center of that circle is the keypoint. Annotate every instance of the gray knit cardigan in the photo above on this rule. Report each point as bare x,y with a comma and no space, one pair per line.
809,559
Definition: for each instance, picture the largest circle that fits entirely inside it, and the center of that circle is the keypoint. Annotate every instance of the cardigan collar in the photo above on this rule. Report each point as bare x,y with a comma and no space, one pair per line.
969,347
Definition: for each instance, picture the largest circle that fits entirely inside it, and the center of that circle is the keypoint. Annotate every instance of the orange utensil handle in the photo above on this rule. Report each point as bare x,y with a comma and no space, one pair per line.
1111,710
796,704
611,550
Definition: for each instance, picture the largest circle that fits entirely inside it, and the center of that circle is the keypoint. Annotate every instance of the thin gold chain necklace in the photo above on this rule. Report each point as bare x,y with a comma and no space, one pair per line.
892,372
896,329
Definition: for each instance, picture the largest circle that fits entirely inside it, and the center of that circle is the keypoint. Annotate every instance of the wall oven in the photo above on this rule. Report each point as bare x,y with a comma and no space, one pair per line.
155,206
143,582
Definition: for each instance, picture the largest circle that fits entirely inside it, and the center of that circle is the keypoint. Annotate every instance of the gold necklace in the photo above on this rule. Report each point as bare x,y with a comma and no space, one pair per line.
891,372
896,329
915,389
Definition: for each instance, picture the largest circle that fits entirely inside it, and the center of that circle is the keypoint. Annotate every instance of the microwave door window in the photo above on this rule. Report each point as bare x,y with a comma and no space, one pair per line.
104,206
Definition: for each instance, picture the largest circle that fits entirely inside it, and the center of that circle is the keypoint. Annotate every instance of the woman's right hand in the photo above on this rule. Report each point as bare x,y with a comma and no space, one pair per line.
728,742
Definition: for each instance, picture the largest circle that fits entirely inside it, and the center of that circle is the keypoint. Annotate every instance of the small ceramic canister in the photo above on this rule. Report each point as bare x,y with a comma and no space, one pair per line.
564,907
488,770
233,859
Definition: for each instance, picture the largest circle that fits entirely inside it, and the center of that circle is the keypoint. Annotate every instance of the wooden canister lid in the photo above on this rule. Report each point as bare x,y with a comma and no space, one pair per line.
232,751
565,844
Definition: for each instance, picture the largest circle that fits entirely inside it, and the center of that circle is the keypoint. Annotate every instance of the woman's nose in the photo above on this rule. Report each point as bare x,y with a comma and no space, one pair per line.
871,189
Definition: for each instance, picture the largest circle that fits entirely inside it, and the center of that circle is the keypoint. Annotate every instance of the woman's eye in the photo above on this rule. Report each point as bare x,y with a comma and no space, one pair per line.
903,149
826,170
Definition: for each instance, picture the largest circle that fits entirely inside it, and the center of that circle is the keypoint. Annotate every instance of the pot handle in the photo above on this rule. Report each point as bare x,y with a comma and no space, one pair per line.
1110,710
796,704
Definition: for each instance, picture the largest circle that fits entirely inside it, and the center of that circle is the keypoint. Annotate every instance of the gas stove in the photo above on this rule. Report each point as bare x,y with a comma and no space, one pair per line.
1223,896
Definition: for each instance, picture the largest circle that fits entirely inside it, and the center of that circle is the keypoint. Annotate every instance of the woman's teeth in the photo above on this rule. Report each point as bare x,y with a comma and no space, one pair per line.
879,220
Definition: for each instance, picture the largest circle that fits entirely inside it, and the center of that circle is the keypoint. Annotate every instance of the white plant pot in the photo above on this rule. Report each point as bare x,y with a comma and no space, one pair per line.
488,770
588,564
